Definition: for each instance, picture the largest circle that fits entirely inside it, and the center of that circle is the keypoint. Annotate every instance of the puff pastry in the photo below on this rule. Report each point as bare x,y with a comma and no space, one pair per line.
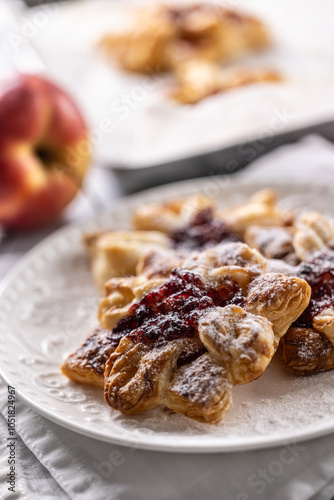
184,225
166,232
160,37
228,255
159,263
184,337
182,215
86,364
309,344
314,232
273,242
223,260
220,321
259,210
169,216
192,307
196,80
121,293
305,351
116,253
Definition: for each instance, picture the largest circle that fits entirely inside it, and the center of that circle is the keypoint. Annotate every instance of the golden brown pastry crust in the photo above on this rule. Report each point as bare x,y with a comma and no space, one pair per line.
238,344
243,341
305,351
200,390
314,232
159,263
137,377
324,322
152,249
309,344
86,364
142,50
219,263
227,255
259,210
170,215
116,253
198,79
281,299
273,242
121,293
235,342
170,35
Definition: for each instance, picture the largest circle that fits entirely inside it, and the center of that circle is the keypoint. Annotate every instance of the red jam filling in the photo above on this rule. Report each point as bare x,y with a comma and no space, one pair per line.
202,231
319,273
172,311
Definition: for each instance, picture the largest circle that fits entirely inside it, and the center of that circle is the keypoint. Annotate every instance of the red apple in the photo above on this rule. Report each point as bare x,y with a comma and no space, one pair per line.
44,151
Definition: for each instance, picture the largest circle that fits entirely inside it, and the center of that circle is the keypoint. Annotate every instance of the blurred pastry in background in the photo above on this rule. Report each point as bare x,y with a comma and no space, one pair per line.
165,233
162,37
198,79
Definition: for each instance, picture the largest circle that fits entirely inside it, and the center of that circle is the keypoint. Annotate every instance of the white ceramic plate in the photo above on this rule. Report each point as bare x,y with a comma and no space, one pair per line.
48,304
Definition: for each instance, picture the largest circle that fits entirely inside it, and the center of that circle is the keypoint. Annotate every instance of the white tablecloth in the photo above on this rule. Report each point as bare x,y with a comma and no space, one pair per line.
53,462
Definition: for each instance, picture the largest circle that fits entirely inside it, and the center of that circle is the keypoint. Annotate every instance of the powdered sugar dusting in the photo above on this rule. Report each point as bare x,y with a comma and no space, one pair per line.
272,242
279,266
274,404
199,380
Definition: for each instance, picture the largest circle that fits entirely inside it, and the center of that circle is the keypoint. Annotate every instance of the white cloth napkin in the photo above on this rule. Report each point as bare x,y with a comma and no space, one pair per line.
54,462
